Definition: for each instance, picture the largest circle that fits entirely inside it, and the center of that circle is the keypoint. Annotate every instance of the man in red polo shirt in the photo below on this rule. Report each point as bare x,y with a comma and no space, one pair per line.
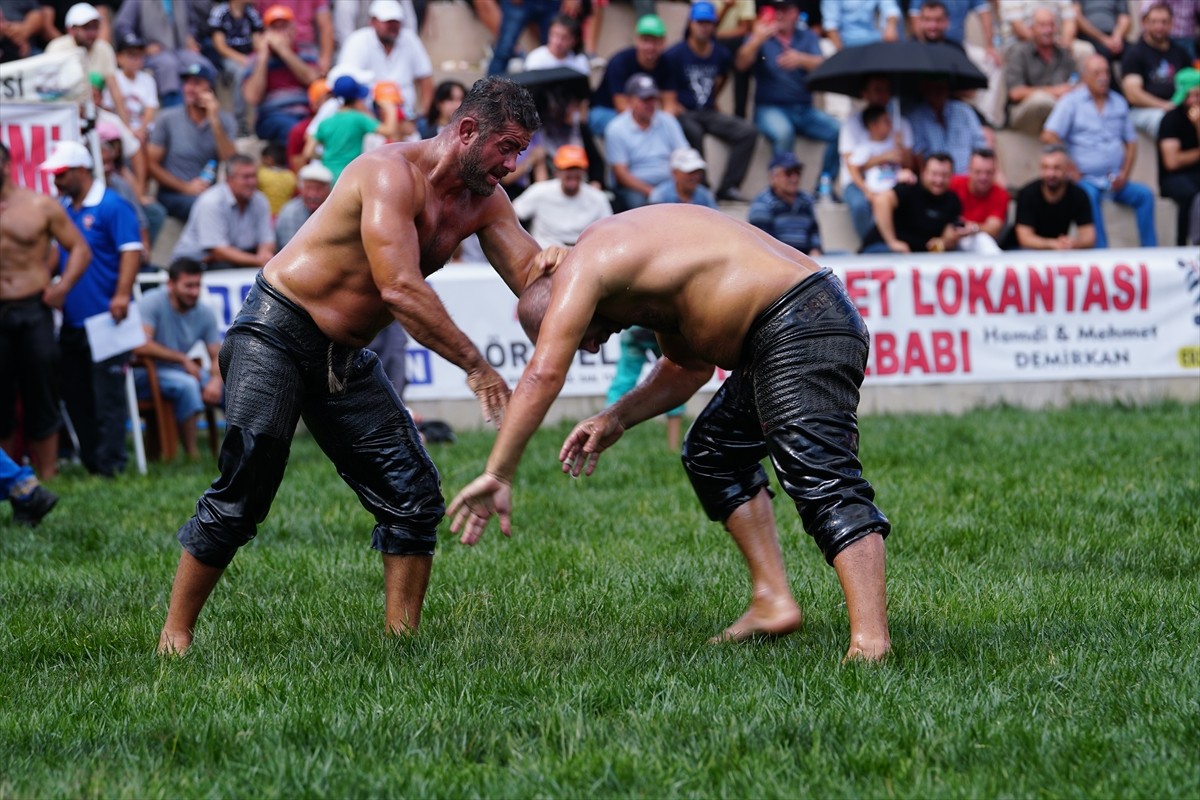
984,202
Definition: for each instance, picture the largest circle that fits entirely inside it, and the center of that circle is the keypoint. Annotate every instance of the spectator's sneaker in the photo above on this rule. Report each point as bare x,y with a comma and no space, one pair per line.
732,195
30,509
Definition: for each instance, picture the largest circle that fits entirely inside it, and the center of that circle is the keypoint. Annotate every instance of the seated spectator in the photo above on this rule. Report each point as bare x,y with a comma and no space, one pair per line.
937,22
562,207
639,143
277,80
699,67
318,93
877,91
20,23
188,138
984,204
230,224
170,39
1048,208
175,321
878,162
390,51
686,183
1093,122
83,30
781,56
1037,73
137,86
784,211
315,183
861,22
314,29
941,124
150,215
235,27
1148,69
341,136
447,97
275,179
1016,22
1179,149
514,19
563,48
133,154
609,98
917,217
1185,22
1104,24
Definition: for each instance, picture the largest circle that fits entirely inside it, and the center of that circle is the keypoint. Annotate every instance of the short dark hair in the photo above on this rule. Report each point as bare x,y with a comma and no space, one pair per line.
442,93
940,156
572,25
236,159
935,4
984,152
1054,149
184,266
1160,6
872,113
494,101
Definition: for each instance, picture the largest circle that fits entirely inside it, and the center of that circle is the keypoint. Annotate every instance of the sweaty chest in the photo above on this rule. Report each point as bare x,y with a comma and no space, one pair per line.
439,232
20,226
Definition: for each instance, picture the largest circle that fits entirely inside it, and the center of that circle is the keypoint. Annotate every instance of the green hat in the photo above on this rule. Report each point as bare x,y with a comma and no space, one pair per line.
651,25
1185,80
96,79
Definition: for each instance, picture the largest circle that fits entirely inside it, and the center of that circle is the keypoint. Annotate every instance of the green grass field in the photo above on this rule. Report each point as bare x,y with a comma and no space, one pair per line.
1044,598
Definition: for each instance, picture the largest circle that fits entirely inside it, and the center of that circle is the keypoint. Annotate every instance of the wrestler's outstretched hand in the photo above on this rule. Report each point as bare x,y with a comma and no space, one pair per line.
471,508
582,448
492,391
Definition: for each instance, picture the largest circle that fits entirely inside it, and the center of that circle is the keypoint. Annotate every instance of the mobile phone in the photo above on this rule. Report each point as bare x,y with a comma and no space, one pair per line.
767,14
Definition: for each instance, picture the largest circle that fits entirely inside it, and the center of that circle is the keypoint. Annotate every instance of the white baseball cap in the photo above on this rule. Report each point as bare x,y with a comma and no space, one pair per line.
67,155
687,159
386,10
315,171
81,14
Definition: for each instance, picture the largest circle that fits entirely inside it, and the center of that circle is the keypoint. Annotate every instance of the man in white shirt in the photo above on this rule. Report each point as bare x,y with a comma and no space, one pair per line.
83,30
392,52
137,85
561,208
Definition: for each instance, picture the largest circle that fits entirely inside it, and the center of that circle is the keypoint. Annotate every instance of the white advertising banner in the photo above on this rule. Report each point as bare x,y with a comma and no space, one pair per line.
29,131
49,78
934,318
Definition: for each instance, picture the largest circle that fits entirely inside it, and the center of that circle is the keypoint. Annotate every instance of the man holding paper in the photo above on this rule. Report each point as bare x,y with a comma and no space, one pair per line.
94,391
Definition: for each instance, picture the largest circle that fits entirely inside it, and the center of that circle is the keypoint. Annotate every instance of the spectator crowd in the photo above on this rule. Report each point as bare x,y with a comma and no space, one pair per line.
236,118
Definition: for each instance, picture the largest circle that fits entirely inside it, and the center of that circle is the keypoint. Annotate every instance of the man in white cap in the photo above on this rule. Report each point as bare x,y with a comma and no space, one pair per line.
315,183
83,30
685,185
94,392
391,51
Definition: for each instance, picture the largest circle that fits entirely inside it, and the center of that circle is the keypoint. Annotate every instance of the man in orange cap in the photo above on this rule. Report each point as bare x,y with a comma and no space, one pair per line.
561,208
277,79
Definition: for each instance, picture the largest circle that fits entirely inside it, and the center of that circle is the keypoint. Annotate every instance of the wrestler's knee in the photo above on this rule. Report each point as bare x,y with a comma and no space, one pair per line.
213,544
719,488
845,526
399,540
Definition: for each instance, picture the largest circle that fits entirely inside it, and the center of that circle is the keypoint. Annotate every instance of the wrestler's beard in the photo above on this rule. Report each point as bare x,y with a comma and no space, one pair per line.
473,173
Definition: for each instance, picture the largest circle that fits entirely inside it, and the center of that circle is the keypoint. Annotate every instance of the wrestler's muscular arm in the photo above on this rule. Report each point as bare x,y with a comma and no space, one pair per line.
509,248
390,203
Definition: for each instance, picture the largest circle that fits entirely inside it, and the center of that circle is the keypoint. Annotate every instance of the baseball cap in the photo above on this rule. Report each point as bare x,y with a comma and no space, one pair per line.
386,10
641,86
703,12
348,89
388,92
96,79
277,12
107,131
67,155
570,156
687,159
651,25
315,171
1185,80
130,41
81,14
786,161
317,91
197,70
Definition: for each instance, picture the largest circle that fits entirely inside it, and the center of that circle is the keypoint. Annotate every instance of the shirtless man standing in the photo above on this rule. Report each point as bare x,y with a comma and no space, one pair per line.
296,348
717,292
28,350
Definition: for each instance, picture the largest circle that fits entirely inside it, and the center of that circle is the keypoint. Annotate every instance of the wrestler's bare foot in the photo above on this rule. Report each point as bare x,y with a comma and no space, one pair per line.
173,644
767,616
862,649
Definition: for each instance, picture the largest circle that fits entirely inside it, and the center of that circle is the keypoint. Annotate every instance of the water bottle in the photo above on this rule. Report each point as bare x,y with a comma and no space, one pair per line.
802,23
825,189
209,173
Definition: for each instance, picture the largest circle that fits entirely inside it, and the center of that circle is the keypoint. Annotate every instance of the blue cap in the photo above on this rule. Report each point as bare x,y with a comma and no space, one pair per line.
198,70
703,12
348,89
786,161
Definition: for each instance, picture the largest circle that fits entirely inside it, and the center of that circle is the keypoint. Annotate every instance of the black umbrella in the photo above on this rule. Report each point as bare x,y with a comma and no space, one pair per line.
567,83
905,62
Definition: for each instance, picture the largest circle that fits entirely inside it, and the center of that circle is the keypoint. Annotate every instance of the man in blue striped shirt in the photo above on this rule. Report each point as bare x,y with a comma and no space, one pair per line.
784,211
